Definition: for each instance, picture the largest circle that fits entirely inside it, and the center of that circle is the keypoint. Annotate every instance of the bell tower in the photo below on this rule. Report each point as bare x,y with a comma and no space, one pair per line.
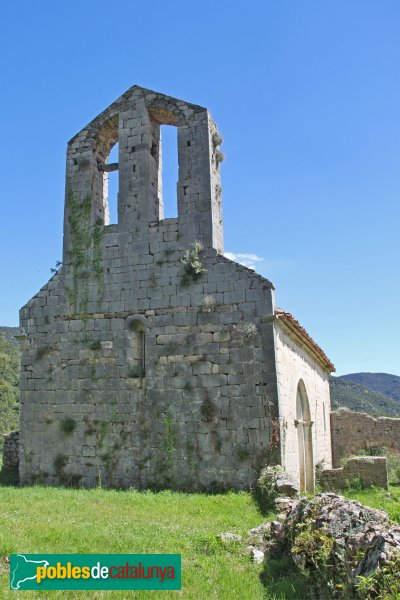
134,121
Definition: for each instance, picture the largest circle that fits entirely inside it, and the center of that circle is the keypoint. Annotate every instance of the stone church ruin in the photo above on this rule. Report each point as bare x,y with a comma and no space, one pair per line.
150,359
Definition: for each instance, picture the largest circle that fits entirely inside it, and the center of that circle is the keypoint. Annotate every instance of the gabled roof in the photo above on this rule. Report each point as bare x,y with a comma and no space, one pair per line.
294,326
170,109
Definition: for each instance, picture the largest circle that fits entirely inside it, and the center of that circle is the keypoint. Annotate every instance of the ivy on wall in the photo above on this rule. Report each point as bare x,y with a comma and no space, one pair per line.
85,252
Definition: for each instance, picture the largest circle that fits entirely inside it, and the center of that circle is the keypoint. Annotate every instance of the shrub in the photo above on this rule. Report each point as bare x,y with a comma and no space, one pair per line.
243,453
67,425
383,583
42,351
136,373
191,261
393,467
60,462
209,303
264,490
249,330
219,156
216,139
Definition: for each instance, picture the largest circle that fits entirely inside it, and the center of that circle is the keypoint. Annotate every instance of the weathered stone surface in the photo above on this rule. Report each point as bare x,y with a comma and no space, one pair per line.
366,470
383,547
256,555
286,487
126,379
353,431
272,483
333,541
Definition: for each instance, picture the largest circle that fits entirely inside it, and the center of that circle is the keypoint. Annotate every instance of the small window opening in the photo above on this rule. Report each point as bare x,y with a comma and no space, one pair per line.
324,416
169,138
136,348
111,185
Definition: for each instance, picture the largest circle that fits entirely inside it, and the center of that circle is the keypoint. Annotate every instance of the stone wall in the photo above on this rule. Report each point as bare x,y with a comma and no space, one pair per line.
202,411
352,431
293,364
11,451
368,470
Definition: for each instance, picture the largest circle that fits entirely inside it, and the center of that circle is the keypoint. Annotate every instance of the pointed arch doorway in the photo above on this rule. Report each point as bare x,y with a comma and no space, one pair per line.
304,437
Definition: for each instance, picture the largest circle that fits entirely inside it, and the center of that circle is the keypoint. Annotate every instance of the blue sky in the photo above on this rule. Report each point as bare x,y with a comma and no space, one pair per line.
306,95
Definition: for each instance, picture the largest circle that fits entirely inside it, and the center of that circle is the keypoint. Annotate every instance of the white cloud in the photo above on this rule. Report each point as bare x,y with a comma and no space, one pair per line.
248,260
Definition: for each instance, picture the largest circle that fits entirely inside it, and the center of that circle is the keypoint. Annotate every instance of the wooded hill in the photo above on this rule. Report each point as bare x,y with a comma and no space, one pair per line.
9,378
346,392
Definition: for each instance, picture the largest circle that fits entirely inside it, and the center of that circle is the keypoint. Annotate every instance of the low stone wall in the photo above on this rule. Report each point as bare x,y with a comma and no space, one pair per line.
352,431
11,451
370,470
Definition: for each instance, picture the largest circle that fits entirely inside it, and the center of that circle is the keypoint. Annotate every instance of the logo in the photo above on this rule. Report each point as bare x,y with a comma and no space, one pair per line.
95,571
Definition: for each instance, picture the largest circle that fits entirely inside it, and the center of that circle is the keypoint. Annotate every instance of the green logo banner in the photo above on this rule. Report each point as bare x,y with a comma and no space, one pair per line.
95,571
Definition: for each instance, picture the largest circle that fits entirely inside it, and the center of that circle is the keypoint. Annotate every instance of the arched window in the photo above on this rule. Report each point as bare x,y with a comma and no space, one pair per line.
106,178
110,187
136,346
168,167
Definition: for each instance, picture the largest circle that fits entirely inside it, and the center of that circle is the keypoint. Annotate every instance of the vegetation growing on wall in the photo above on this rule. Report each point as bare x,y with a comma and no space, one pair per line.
95,345
272,450
191,260
166,451
136,373
67,479
249,330
208,409
217,141
86,252
67,425
209,303
264,490
59,462
42,351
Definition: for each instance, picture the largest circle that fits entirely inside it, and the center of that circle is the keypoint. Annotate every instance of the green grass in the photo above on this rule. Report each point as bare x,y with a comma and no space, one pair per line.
283,581
387,500
55,520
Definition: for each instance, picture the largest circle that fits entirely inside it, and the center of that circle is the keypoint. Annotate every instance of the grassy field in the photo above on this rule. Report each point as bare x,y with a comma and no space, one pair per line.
49,520
55,520
387,500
